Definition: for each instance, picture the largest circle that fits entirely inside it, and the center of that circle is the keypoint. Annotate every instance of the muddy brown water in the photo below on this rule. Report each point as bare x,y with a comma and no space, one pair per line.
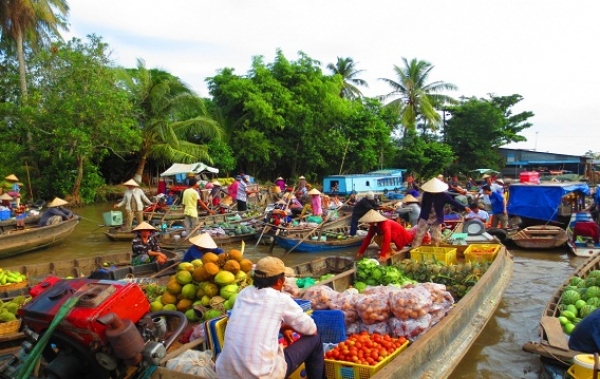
497,352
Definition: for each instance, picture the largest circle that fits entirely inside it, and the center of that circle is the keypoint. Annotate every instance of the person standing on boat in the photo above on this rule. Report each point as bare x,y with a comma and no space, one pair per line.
144,246
315,202
252,349
586,335
232,189
133,199
190,200
432,211
302,192
360,209
499,213
201,244
12,187
215,194
55,213
279,182
387,230
242,193
410,210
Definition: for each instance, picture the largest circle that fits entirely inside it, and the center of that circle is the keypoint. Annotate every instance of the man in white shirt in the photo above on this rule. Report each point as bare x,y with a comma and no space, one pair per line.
251,348
477,214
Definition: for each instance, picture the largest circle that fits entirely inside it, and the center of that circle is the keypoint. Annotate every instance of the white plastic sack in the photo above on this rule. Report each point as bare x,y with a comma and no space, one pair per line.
194,362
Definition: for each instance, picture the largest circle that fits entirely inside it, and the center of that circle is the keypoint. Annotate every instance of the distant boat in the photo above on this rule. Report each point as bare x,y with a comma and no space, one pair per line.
386,180
540,237
19,241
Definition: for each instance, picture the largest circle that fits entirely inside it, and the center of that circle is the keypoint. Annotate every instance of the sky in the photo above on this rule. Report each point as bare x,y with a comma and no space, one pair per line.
546,51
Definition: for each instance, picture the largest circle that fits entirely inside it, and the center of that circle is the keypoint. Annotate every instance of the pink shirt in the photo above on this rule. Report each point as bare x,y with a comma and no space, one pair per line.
315,202
232,190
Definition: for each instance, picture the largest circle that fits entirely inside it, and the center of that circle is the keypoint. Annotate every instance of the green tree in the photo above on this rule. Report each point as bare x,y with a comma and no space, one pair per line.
346,68
478,127
425,158
415,98
287,118
32,22
77,116
168,115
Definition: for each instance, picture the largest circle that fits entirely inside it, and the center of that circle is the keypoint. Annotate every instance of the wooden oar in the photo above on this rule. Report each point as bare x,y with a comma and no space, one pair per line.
265,229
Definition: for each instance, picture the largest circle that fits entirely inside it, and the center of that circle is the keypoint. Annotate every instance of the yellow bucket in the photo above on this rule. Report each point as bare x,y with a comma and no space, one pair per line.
583,367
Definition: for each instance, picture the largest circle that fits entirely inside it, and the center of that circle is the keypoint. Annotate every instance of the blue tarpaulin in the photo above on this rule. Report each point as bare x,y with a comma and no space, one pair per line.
540,201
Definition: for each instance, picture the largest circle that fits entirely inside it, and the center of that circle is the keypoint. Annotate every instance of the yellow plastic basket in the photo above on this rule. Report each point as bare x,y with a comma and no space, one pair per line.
346,370
481,252
446,255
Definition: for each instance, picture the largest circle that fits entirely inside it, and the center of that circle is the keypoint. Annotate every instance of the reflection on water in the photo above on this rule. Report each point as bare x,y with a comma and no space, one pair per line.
497,352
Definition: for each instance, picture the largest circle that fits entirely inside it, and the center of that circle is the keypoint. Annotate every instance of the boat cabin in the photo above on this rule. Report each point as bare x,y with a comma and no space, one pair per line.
384,180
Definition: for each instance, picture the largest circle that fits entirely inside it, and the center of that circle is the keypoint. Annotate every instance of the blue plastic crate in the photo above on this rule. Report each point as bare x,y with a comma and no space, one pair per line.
304,304
331,325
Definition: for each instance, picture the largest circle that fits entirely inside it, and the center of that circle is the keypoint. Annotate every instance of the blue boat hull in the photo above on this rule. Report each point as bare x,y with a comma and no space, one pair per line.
316,246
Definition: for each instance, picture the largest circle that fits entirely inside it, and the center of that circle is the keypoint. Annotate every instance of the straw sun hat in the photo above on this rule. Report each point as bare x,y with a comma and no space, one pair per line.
372,216
203,240
5,196
143,226
434,186
314,191
410,199
131,182
12,178
57,202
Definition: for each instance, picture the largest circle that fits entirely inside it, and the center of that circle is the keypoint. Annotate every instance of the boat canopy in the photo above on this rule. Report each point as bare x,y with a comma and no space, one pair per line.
483,171
184,168
540,201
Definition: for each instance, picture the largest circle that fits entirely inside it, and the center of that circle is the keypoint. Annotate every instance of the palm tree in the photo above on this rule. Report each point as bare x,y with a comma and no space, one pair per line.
34,22
167,112
346,68
416,98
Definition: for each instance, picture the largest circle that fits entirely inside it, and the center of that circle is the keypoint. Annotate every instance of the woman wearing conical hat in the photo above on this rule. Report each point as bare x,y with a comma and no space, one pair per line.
409,209
201,244
389,230
55,212
144,246
11,186
432,211
133,200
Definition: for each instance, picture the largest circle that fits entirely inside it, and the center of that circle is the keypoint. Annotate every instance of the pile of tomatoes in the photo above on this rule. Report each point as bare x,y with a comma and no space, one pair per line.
365,348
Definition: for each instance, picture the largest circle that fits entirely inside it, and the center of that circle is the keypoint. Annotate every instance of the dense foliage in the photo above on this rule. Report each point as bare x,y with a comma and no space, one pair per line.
72,121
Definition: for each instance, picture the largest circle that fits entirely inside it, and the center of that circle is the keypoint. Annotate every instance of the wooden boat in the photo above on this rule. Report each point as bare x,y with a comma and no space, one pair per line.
321,239
15,242
176,238
552,345
581,246
540,237
118,234
437,353
30,219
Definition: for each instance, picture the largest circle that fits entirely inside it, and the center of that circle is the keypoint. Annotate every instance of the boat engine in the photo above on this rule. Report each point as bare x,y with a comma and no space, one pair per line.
108,334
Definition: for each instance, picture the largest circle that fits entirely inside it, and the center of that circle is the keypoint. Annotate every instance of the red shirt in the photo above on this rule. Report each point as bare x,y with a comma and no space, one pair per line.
232,190
391,231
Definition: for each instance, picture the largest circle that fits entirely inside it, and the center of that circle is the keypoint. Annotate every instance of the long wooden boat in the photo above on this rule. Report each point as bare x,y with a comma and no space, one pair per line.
118,234
176,239
540,237
14,242
321,239
553,346
437,353
582,247
30,219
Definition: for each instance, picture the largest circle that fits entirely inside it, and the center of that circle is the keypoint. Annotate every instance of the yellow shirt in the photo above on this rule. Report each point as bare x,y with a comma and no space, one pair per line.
190,201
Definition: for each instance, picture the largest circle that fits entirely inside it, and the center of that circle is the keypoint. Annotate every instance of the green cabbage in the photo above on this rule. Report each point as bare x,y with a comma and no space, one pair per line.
360,286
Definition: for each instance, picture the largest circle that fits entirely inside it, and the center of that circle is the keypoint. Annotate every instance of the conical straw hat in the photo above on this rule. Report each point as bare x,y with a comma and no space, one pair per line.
314,191
434,186
5,196
57,202
203,240
216,183
11,177
144,226
372,216
131,182
410,199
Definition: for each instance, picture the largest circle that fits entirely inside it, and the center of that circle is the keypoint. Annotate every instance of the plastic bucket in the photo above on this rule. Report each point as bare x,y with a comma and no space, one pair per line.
583,366
4,214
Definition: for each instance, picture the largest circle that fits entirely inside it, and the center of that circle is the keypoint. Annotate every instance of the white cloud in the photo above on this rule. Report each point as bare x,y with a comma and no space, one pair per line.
544,51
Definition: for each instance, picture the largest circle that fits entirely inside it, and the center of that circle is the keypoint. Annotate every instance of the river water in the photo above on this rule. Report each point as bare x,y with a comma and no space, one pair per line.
497,352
